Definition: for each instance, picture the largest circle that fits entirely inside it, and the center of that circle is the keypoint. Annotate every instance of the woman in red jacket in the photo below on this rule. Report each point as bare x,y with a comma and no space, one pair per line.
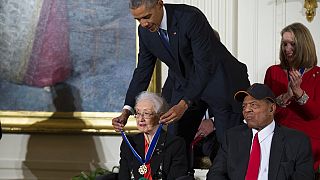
296,84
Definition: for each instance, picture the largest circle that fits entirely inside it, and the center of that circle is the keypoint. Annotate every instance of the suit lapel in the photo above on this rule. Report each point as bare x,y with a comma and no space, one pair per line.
173,32
157,156
275,152
174,38
140,145
244,145
166,55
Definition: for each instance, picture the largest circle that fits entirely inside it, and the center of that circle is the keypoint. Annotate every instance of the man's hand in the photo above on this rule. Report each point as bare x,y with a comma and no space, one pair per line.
175,113
119,122
206,127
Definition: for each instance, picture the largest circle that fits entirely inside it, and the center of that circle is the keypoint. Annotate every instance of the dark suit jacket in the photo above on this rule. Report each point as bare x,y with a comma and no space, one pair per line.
200,67
193,59
290,155
170,151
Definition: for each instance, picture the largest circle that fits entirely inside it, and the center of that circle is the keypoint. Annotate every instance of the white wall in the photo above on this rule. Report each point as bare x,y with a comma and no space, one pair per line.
249,29
222,16
259,26
48,156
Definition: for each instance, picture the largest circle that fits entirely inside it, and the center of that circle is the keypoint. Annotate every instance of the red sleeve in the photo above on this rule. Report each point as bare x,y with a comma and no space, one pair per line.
312,88
267,78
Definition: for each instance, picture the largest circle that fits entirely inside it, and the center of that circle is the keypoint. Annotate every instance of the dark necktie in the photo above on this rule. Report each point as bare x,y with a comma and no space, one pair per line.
164,37
254,161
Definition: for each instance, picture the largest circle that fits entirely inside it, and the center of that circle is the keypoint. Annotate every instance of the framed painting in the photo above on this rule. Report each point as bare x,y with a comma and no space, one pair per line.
65,66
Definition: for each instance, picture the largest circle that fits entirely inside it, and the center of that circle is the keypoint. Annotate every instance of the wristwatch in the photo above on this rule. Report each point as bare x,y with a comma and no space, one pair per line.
303,99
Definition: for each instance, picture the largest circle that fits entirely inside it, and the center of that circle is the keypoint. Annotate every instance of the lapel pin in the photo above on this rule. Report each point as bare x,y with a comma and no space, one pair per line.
174,33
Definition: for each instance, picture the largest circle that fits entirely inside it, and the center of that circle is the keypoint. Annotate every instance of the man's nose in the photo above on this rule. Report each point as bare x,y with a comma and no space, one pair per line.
143,23
246,109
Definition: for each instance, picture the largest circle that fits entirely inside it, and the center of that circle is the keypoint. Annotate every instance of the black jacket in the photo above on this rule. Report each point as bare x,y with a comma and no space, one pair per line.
170,151
290,155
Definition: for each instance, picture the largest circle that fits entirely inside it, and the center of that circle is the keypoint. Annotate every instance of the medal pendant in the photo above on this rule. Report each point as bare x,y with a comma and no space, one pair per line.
143,169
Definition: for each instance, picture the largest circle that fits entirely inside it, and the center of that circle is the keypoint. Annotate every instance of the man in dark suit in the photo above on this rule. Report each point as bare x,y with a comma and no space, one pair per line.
261,148
202,73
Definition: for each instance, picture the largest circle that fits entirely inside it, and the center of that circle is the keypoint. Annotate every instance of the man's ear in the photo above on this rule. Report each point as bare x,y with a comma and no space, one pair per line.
273,107
160,2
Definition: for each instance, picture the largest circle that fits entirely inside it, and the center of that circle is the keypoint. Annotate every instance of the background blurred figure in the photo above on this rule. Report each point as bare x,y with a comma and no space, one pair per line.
168,158
261,149
205,143
296,84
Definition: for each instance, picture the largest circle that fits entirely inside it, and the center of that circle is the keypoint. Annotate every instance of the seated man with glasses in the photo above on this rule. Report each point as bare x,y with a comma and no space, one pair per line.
153,153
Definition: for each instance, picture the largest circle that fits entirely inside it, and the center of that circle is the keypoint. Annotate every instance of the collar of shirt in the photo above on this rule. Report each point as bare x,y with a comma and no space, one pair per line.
265,132
163,24
265,139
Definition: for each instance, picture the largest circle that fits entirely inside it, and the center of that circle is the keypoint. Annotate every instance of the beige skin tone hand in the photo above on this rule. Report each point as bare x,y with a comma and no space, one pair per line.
119,122
286,96
295,82
206,127
175,113
294,89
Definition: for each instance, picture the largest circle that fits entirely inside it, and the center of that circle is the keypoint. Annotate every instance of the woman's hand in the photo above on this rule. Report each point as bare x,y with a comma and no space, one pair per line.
285,99
295,82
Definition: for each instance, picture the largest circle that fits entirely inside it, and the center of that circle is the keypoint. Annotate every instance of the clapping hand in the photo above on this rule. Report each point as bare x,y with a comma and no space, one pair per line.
295,82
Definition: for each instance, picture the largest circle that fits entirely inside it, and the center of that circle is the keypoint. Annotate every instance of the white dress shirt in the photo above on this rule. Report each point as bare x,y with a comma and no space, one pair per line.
163,24
265,138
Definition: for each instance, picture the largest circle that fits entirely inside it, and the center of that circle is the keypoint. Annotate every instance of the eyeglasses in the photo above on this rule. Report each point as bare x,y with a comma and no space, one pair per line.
145,115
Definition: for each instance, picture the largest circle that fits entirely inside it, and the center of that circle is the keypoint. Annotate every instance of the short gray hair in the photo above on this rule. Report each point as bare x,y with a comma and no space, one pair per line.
133,4
159,104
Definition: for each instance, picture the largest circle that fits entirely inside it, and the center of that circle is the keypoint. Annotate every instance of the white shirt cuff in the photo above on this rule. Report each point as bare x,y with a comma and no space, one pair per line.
128,108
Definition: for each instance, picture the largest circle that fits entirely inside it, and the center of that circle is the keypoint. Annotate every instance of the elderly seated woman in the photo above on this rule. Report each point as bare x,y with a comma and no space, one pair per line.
153,153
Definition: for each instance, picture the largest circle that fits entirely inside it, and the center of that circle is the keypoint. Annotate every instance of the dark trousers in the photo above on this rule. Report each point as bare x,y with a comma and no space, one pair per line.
188,125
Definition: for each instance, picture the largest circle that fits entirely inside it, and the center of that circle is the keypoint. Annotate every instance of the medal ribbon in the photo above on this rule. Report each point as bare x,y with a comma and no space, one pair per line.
150,149
301,70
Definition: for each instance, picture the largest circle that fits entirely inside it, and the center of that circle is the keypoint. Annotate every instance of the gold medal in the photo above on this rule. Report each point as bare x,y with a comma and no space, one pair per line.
143,169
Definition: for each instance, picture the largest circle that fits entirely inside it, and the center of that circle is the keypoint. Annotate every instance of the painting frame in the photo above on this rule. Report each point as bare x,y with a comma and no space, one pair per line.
18,121
98,123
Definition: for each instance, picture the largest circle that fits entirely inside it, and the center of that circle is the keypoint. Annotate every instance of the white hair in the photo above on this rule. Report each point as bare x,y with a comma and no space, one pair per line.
159,104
